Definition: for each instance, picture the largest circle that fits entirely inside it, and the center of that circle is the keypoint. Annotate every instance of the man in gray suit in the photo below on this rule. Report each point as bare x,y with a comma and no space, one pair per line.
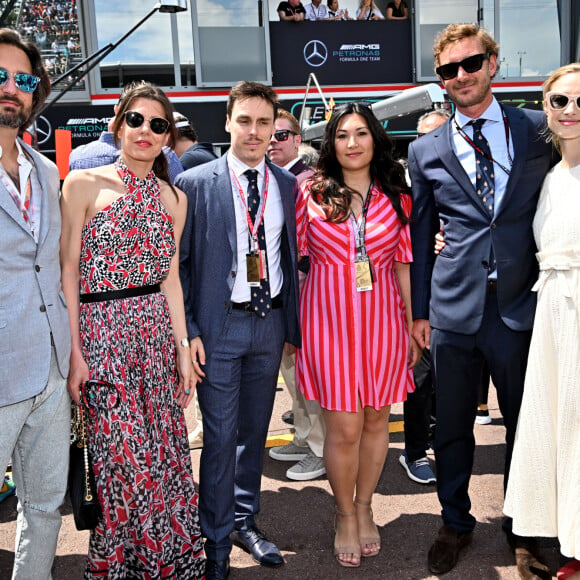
34,331
239,278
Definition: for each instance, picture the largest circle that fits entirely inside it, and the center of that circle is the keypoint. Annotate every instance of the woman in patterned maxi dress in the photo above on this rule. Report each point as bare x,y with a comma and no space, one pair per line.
121,226
543,493
357,352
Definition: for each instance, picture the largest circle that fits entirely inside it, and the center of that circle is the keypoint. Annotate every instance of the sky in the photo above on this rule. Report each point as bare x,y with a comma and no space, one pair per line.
525,26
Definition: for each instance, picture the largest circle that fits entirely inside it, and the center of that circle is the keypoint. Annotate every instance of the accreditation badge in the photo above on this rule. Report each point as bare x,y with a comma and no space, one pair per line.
364,277
253,269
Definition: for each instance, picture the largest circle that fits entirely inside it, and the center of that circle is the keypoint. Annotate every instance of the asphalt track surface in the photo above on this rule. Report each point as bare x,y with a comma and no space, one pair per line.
298,516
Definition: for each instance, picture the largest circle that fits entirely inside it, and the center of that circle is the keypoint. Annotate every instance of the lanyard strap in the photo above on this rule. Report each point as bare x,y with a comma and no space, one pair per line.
253,226
360,230
470,142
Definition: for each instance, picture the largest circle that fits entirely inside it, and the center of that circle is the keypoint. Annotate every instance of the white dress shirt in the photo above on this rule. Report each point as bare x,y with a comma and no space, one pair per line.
316,13
273,225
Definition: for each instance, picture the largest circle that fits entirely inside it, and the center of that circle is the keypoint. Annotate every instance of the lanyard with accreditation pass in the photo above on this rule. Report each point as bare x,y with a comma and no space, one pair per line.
255,259
362,263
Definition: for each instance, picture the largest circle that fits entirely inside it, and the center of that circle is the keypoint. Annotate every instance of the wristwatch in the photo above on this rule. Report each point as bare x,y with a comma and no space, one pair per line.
184,342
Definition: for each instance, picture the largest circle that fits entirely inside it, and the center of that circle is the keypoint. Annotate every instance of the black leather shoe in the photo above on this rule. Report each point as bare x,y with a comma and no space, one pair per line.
444,552
217,569
252,540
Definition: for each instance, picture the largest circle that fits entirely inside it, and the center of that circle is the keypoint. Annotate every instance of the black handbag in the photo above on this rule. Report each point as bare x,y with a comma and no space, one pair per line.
81,480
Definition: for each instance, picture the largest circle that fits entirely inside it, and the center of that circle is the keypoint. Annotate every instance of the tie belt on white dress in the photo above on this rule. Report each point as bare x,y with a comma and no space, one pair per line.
557,264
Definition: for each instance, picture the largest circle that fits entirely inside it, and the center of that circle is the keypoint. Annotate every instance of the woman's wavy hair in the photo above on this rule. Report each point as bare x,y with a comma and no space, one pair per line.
328,188
145,90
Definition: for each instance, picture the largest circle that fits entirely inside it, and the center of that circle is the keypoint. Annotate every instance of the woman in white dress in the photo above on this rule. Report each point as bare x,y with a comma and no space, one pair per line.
543,494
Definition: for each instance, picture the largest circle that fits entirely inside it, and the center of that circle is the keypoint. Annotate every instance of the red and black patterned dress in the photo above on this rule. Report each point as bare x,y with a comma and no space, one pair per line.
137,434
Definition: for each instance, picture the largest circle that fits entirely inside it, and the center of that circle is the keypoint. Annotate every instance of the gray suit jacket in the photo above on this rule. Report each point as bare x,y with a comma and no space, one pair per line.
32,305
208,259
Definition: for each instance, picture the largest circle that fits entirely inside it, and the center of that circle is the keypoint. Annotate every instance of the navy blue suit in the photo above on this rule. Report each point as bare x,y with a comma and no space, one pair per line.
243,351
470,323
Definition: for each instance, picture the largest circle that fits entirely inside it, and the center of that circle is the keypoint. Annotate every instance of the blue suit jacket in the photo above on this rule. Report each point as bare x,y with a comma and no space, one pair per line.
208,256
450,289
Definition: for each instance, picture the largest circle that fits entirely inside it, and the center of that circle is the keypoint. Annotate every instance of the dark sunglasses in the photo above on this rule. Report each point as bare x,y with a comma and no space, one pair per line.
23,81
283,134
470,65
135,120
559,101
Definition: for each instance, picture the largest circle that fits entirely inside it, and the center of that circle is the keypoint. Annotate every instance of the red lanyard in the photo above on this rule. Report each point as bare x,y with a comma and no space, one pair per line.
253,226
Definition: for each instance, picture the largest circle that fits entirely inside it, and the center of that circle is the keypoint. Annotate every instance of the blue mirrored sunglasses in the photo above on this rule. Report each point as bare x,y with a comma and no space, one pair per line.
25,82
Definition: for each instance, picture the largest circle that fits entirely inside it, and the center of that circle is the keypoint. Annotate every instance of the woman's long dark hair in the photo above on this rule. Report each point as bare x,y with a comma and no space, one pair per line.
145,90
328,188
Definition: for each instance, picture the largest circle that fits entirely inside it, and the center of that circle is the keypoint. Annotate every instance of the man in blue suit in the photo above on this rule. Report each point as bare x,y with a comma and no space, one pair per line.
240,283
477,177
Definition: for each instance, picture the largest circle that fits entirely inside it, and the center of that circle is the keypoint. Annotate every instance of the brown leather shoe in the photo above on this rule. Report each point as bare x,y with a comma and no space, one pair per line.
444,552
529,567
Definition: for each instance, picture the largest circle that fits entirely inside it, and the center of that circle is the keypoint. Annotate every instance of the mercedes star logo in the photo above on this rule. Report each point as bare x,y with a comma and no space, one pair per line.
43,129
315,53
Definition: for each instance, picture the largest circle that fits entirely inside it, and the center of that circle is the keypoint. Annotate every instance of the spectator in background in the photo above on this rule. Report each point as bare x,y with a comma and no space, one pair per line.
105,150
187,148
336,13
367,10
316,10
292,10
397,10
308,154
307,447
418,407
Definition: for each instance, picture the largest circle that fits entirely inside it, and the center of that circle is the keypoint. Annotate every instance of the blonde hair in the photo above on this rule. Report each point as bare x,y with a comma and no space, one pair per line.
372,7
567,69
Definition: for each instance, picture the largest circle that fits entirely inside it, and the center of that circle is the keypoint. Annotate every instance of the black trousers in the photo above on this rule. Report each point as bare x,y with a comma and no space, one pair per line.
417,409
457,362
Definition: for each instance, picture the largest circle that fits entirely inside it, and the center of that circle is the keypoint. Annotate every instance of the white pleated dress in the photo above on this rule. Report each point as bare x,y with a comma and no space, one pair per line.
543,495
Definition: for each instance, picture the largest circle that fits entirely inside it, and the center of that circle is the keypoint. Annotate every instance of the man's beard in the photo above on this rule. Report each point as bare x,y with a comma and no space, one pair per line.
13,120
475,98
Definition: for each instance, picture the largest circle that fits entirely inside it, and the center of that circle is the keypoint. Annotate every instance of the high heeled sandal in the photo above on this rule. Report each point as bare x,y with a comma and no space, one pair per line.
353,550
375,538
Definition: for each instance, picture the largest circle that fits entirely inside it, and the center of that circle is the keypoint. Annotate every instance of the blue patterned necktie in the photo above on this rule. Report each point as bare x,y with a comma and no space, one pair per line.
484,176
261,299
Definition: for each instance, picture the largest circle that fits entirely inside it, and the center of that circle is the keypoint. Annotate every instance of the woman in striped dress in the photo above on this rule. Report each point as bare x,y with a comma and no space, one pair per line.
357,352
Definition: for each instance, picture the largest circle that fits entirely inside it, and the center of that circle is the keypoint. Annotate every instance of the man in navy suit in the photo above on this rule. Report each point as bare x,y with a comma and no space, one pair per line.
480,182
240,283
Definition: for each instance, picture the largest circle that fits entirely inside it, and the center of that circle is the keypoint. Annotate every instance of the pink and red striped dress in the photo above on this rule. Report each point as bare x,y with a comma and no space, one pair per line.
354,344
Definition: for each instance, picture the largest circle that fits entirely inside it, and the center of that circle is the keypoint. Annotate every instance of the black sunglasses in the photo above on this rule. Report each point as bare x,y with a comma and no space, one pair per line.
470,65
283,134
559,101
25,82
158,124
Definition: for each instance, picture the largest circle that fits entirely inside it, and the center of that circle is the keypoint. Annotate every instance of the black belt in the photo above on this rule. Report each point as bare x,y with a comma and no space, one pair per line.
247,306
119,294
491,286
